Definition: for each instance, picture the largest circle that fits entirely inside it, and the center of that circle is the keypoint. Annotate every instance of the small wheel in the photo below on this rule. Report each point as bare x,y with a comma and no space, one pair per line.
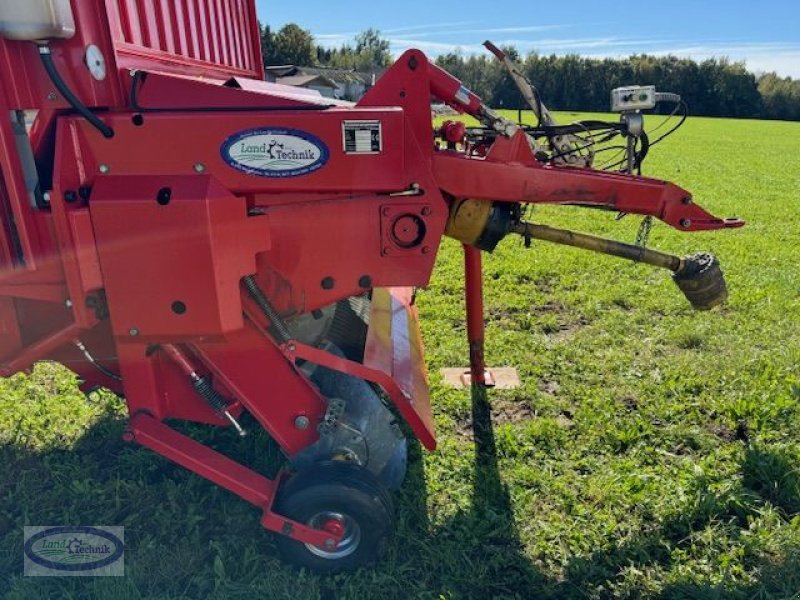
341,498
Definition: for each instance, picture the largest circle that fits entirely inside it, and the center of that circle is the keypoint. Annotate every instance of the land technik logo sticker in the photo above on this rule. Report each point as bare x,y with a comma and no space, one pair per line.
275,152
74,551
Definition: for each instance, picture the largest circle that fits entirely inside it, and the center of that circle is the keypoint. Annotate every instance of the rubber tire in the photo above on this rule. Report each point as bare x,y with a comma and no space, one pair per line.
345,488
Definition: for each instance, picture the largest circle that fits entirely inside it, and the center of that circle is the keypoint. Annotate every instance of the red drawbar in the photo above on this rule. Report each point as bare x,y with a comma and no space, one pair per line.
223,471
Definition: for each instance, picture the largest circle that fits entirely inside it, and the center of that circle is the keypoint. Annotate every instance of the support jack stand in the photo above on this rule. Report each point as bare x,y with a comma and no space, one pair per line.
477,375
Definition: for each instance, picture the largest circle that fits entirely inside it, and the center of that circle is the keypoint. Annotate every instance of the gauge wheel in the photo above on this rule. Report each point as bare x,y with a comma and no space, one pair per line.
338,497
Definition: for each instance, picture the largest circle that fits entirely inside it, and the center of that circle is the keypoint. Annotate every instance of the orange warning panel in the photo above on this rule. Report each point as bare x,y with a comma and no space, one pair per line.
394,346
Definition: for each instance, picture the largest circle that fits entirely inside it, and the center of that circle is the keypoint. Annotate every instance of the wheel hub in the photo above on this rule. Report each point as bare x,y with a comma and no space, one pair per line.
336,524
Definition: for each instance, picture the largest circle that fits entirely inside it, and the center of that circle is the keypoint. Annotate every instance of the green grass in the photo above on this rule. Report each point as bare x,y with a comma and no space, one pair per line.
651,451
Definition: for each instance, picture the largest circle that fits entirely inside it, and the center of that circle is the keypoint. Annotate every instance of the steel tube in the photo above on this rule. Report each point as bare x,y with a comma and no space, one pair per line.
601,245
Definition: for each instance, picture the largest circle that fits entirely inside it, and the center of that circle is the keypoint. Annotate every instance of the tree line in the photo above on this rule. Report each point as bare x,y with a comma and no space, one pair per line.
715,87
293,45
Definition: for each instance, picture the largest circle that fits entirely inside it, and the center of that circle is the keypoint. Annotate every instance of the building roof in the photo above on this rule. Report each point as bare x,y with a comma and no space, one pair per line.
307,81
343,75
340,76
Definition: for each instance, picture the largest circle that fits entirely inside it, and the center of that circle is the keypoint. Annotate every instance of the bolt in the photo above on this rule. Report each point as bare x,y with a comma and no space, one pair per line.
133,331
386,211
51,96
70,196
291,347
687,200
330,543
302,422
164,196
365,282
426,250
105,169
426,211
68,303
328,283
199,168
386,251
686,223
46,197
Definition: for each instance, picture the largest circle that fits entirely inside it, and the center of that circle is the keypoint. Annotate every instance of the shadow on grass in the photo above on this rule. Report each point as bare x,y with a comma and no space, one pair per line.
189,539
774,474
477,553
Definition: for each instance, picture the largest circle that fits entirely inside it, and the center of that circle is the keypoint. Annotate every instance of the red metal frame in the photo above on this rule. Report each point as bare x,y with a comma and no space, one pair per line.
473,296
149,233
234,477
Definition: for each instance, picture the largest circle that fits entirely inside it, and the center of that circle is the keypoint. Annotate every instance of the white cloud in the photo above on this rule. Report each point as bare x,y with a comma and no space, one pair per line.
466,37
484,31
784,58
402,30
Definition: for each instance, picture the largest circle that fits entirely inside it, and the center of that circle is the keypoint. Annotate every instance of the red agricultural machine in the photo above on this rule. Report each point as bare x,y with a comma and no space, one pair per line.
206,243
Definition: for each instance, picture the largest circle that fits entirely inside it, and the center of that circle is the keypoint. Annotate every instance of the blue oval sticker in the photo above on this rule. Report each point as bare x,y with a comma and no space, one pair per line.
74,548
275,152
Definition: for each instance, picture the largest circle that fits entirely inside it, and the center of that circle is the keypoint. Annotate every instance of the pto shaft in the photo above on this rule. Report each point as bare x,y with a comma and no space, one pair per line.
699,276
597,244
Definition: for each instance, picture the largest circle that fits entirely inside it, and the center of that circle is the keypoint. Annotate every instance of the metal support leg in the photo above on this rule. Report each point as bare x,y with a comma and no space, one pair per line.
473,290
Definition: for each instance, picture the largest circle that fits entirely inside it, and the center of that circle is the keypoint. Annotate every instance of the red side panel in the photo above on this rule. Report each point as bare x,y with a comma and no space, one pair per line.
172,251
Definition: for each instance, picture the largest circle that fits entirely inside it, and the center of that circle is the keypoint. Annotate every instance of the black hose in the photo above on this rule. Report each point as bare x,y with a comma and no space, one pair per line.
93,361
72,99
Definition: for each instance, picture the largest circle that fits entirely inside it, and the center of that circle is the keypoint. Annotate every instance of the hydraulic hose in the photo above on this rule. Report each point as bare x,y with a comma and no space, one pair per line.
69,96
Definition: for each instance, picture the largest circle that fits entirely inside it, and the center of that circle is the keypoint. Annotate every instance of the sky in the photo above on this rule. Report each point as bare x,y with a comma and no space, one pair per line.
766,34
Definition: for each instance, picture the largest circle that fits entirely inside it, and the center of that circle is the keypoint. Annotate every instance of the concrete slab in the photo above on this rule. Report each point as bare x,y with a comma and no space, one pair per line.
505,378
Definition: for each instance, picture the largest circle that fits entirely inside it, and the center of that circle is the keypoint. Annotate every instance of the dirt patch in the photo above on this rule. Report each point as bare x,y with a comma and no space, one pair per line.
563,332
548,308
723,432
740,434
630,403
552,388
497,313
564,420
503,411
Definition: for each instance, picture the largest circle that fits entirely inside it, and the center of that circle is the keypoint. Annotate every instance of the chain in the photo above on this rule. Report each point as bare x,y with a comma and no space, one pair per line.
644,232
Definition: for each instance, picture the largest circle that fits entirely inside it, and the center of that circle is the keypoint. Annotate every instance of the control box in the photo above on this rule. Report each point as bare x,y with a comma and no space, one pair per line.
634,97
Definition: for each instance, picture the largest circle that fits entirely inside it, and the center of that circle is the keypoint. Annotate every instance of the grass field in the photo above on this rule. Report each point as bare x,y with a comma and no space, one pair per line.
651,452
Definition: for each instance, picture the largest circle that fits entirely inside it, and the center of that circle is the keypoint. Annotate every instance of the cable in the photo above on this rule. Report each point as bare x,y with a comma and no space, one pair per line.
666,119
72,99
589,144
684,116
642,154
